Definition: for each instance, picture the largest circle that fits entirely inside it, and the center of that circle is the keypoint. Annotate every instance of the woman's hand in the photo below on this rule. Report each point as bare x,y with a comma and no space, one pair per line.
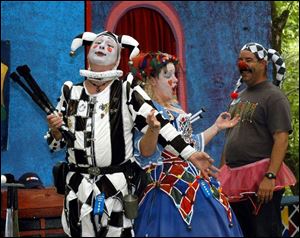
224,121
153,123
149,140
203,162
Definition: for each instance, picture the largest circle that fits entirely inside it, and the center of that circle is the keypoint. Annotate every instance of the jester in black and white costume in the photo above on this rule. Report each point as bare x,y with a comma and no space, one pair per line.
102,112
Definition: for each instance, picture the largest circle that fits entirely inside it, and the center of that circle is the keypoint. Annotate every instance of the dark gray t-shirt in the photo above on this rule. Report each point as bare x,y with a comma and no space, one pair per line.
264,109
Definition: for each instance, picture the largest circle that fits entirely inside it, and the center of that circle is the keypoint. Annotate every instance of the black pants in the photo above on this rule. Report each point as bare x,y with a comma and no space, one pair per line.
267,223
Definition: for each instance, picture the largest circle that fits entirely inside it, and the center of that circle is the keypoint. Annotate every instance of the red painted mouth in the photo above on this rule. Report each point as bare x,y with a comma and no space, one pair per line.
174,90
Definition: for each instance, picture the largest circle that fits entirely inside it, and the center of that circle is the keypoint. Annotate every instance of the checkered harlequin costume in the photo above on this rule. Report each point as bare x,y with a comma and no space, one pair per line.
177,195
177,200
103,125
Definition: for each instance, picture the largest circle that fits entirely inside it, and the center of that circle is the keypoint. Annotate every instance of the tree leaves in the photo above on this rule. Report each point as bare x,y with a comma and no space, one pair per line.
290,52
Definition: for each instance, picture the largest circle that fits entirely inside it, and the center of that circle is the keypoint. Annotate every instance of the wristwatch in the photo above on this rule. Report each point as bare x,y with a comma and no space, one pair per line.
270,175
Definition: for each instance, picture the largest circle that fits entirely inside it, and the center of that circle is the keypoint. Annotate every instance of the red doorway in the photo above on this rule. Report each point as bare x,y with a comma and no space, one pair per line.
149,28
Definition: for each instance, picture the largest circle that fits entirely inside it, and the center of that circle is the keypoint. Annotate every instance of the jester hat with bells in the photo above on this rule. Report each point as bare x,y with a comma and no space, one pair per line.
262,53
123,41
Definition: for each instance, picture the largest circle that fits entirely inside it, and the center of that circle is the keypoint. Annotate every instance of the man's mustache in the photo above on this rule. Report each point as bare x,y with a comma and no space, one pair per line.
243,67
245,70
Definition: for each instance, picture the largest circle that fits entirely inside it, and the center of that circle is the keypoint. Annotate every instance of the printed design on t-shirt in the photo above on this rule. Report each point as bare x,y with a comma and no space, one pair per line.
244,109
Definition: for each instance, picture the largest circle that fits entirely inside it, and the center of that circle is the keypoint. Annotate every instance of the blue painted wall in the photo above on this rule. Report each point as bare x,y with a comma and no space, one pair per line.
41,32
214,33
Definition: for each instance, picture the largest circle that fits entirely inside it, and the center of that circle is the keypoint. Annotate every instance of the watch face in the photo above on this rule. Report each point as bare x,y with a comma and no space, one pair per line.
270,175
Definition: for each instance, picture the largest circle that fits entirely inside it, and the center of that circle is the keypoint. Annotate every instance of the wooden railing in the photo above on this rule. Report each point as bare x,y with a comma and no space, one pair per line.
38,210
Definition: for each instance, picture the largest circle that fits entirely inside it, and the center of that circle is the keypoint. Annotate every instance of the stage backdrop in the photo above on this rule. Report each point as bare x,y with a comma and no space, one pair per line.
208,37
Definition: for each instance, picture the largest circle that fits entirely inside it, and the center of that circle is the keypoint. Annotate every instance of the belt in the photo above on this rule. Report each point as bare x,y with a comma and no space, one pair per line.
93,170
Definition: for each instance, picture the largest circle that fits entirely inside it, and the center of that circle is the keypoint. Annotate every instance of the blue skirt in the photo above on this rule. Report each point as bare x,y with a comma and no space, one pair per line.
159,217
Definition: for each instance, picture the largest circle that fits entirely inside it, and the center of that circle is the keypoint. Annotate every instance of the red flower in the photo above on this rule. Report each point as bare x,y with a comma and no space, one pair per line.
234,95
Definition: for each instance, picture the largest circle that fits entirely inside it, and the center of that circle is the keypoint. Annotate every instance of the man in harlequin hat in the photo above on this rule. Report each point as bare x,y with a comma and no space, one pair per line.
102,112
254,174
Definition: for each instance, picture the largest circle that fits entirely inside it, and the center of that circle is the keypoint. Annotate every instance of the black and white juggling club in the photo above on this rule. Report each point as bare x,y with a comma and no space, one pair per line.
197,116
16,78
24,71
40,98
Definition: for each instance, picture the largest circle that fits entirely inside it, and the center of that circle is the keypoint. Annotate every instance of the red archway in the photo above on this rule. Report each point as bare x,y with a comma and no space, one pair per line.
170,16
149,28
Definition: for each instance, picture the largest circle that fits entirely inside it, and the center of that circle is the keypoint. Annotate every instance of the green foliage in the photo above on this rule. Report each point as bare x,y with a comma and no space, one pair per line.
290,52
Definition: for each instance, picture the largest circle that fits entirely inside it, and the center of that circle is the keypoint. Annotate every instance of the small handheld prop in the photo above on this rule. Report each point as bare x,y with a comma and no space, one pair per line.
39,97
197,116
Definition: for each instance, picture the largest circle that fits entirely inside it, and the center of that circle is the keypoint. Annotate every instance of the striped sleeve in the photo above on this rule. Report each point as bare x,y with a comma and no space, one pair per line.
140,105
56,145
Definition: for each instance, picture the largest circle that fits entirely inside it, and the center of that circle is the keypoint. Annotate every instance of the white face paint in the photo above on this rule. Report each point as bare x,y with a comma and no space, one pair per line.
104,51
167,83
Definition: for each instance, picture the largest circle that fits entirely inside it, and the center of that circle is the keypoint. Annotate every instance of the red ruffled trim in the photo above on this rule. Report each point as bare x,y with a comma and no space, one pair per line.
244,180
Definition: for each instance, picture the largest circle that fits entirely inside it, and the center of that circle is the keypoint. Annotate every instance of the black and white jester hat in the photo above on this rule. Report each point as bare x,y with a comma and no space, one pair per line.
268,54
123,41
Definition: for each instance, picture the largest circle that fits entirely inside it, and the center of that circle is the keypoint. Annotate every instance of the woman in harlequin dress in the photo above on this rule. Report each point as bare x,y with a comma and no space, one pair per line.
177,200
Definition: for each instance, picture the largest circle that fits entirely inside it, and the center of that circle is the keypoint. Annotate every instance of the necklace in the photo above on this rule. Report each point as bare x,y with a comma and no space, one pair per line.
170,114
